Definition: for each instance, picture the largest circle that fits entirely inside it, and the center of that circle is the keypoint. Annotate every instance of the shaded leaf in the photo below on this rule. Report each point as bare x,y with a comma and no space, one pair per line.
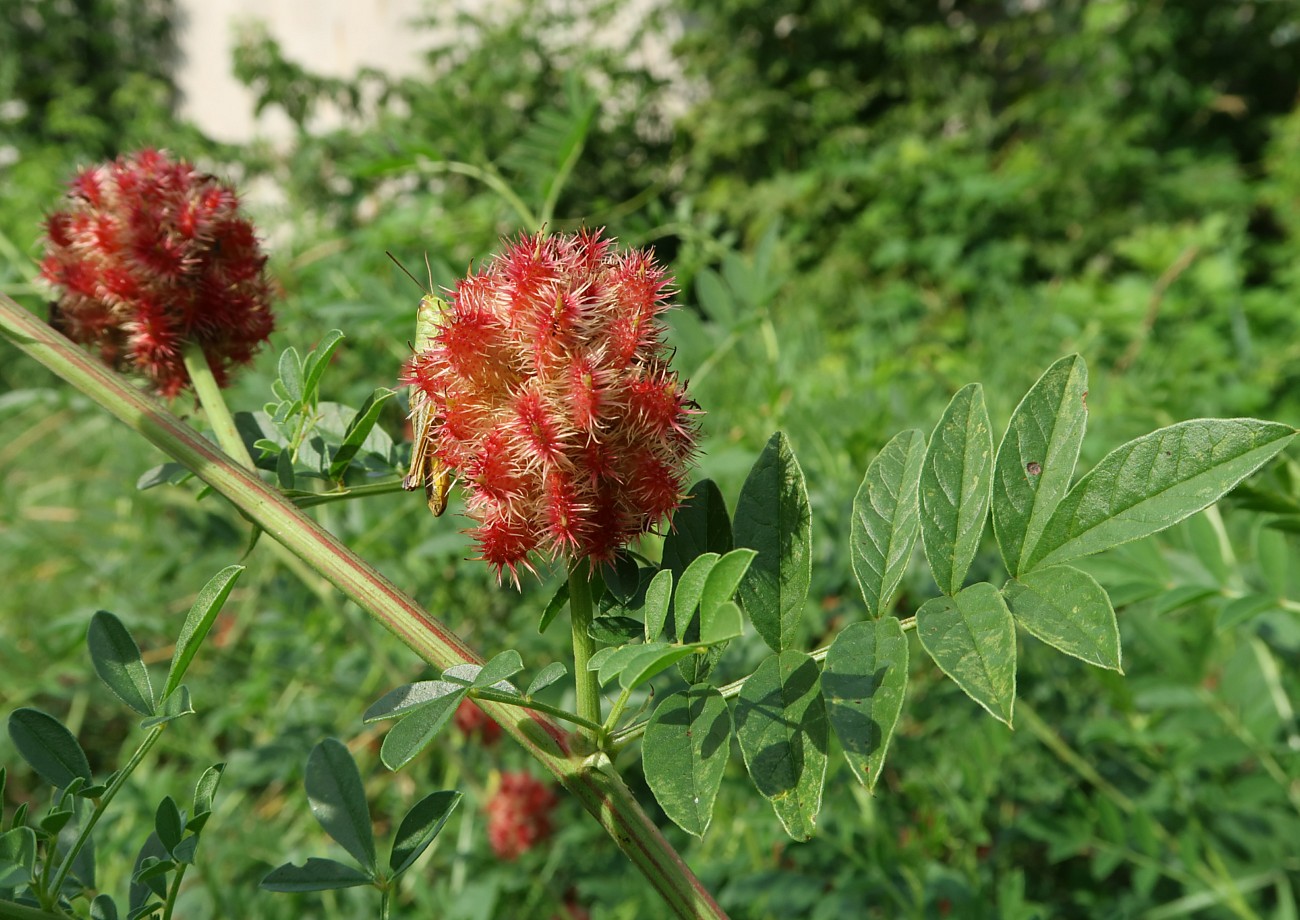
1241,609
103,908
559,600
116,658
781,726
317,875
886,519
1155,481
615,630
338,800
700,525
972,638
48,747
955,487
773,517
17,856
863,682
1068,610
167,824
419,828
151,853
684,754
1036,459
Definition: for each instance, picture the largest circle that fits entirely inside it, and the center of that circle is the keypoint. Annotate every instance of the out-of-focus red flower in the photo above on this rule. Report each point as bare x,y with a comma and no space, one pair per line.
471,720
519,815
148,256
553,401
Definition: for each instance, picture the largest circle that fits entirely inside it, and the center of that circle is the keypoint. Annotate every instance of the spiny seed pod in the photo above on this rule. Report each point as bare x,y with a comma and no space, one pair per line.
547,390
150,256
519,815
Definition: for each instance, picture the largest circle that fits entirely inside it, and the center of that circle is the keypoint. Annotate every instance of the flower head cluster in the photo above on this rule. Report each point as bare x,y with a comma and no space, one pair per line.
150,256
552,399
471,720
519,815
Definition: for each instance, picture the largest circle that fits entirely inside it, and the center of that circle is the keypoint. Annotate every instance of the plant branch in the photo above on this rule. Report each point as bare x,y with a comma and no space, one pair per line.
585,683
214,405
599,790
101,805
11,911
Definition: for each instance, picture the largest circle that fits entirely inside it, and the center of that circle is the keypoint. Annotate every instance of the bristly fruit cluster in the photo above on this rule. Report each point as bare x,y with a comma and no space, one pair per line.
150,256
553,400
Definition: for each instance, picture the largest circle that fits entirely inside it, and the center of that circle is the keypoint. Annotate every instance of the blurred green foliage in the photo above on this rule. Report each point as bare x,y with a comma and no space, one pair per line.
867,205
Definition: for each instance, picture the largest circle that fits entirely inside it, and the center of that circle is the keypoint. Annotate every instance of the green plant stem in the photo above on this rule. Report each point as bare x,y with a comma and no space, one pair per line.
369,490
101,806
585,683
488,177
174,891
600,791
11,911
617,710
521,702
214,405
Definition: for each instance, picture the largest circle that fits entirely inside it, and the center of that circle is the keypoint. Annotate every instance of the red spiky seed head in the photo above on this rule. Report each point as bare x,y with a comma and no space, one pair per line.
553,400
519,815
149,256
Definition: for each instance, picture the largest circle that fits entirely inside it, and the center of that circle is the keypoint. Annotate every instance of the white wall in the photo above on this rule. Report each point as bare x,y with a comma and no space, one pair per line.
330,37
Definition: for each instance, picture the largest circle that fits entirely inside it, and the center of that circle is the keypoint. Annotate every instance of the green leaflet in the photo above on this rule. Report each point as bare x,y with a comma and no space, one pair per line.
117,661
701,525
885,519
338,800
781,726
685,753
773,517
316,875
419,827
955,487
863,683
1036,459
1153,482
48,747
1068,610
202,614
972,638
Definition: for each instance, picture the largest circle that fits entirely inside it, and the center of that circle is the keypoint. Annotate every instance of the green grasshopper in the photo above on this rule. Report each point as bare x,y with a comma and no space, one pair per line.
426,469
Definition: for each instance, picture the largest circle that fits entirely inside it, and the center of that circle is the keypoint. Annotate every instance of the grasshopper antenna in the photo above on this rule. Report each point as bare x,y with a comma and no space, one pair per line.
408,274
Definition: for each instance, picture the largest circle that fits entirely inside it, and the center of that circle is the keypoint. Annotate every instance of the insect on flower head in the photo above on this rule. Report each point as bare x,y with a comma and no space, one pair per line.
547,389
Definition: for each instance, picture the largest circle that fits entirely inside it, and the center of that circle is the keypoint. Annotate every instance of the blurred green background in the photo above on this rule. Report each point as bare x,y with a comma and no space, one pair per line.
866,204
